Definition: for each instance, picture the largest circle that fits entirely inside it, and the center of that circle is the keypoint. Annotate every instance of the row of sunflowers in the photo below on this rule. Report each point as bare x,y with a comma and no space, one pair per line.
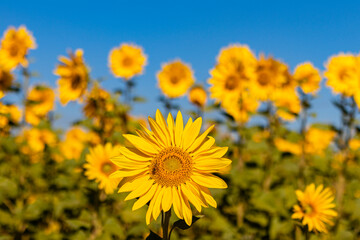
254,179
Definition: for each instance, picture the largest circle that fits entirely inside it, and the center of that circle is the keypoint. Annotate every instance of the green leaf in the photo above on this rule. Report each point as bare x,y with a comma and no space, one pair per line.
153,236
182,224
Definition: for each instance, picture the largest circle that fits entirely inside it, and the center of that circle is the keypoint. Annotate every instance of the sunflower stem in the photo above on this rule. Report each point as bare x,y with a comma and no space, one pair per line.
165,225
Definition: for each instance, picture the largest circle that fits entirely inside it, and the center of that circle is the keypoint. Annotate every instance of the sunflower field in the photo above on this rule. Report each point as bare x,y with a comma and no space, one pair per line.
230,167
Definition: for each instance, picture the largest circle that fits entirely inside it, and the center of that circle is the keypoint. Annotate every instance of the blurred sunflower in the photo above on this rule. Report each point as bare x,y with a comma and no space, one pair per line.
342,73
271,74
127,61
171,165
240,107
97,102
287,104
9,114
175,78
307,77
198,96
6,79
287,146
240,56
14,47
315,208
74,77
74,143
317,140
40,100
99,166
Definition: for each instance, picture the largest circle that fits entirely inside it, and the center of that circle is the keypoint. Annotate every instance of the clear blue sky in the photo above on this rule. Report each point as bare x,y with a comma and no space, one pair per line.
191,30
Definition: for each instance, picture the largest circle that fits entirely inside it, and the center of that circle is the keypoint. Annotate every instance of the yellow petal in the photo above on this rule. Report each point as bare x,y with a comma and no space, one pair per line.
200,139
145,198
141,144
208,180
179,125
192,133
167,199
140,190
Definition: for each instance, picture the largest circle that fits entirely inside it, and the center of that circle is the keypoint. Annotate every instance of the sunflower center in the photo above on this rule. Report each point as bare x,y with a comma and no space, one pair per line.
263,79
76,81
107,168
171,167
231,83
127,62
174,79
14,50
343,74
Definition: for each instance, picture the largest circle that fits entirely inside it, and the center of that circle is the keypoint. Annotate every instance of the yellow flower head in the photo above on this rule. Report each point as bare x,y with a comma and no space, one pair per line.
317,140
286,146
40,101
198,96
342,73
287,103
9,114
170,166
240,107
74,143
2,94
307,77
238,55
37,139
127,61
97,102
175,78
354,144
315,208
99,166
6,79
14,47
73,77
271,75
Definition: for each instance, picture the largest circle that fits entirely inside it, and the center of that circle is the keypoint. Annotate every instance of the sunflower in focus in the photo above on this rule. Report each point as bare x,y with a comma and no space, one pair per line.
99,166
15,45
97,102
307,77
315,208
241,107
342,73
175,78
40,101
127,61
6,79
74,77
198,96
170,165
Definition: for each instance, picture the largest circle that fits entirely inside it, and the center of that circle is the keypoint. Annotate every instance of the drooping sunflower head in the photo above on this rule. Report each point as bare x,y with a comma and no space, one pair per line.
6,79
171,165
74,77
99,166
307,77
127,61
14,47
342,74
241,107
40,101
198,96
97,102
315,207
175,78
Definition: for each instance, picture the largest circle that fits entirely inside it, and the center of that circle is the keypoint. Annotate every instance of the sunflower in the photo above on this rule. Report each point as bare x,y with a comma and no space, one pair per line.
73,77
40,101
198,96
284,145
241,107
14,47
239,55
307,77
99,166
127,61
271,75
342,73
170,166
315,207
97,102
226,82
175,78
317,140
287,103
9,114
74,143
6,79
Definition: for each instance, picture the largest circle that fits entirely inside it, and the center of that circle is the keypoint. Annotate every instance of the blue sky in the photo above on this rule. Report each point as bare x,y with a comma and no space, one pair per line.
193,31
